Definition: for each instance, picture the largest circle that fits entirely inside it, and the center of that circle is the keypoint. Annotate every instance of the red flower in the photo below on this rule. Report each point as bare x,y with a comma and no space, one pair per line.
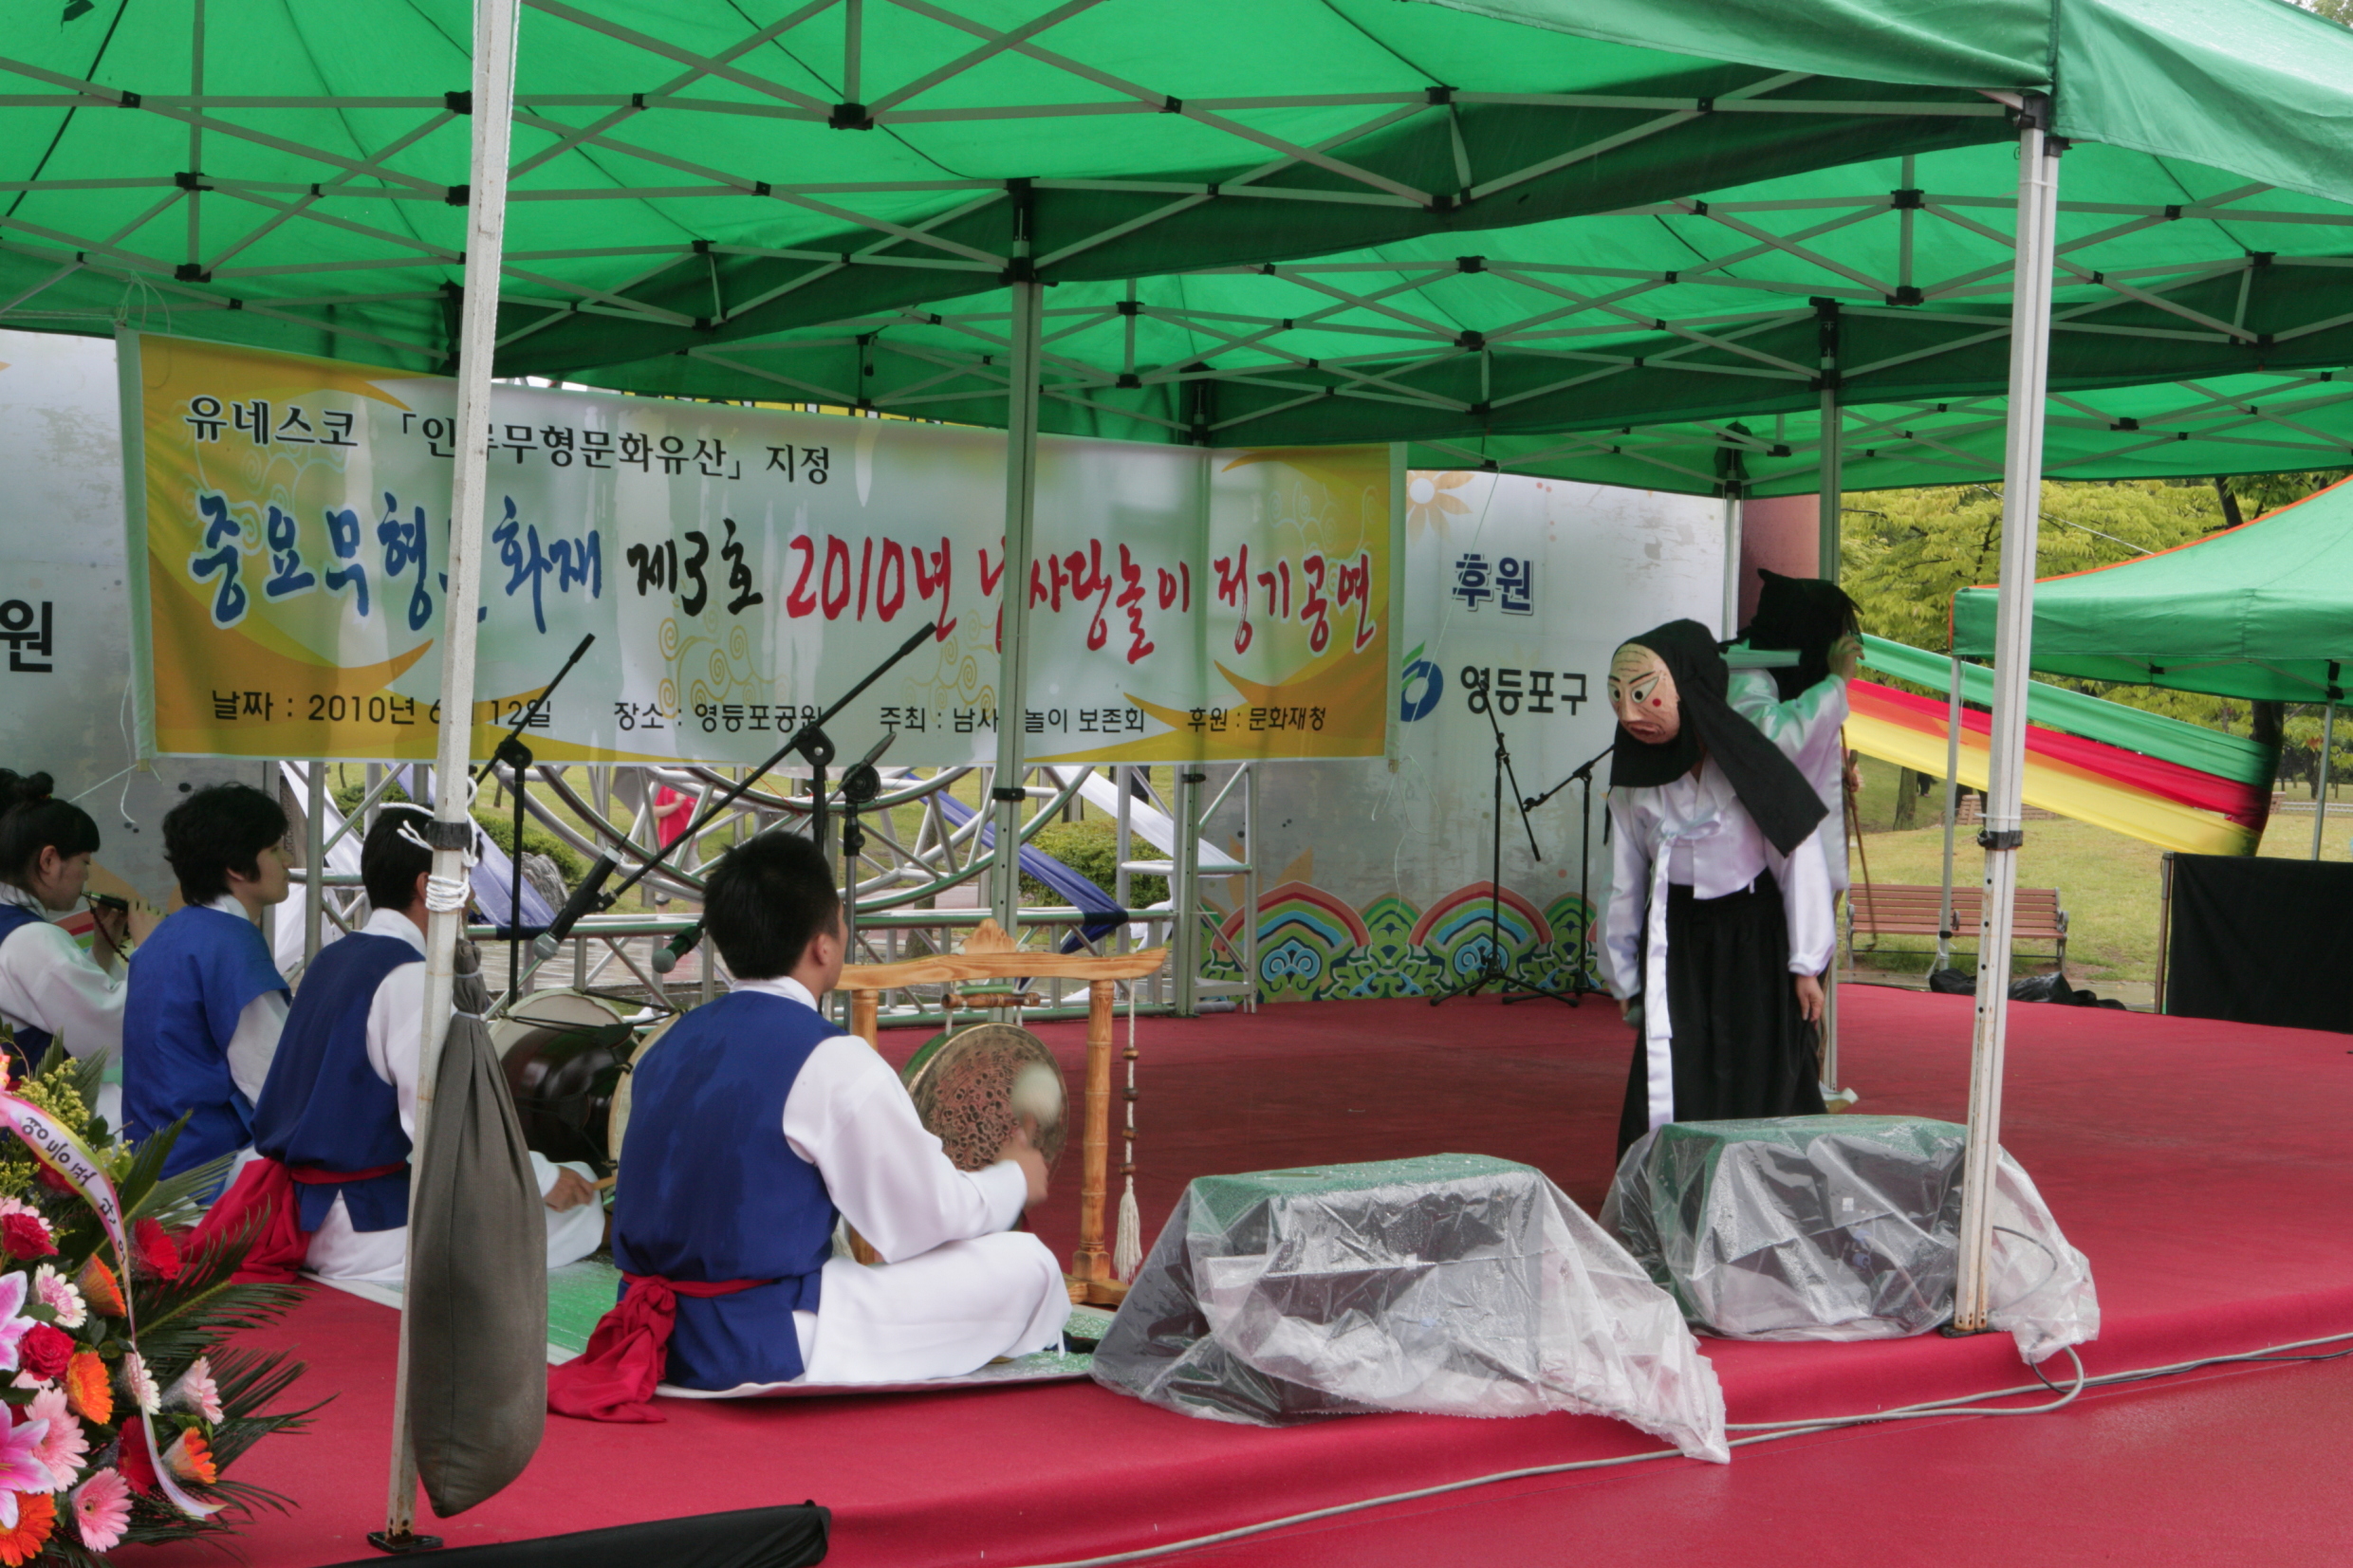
27,1236
132,1462
45,1352
158,1253
51,1180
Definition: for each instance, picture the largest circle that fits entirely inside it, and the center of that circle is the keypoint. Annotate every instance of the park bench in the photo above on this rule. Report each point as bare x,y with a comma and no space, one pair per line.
1903,909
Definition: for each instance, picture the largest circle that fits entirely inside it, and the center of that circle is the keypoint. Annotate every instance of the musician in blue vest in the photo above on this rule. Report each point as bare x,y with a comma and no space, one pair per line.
754,1125
50,989
207,1003
339,1103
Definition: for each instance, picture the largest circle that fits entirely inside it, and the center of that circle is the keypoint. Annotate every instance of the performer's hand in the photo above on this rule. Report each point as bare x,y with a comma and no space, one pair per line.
113,928
1023,1153
1846,657
570,1190
1625,1007
1809,1002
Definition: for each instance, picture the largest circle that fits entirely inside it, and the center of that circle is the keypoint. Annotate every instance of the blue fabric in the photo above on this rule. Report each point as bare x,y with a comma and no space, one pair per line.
192,980
1082,891
712,1192
322,1105
31,1044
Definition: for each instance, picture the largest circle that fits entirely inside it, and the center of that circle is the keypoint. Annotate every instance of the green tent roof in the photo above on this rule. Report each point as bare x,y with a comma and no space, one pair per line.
723,202
2261,611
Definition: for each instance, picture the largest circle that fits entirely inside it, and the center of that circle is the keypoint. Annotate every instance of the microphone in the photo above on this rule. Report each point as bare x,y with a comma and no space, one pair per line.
666,956
585,899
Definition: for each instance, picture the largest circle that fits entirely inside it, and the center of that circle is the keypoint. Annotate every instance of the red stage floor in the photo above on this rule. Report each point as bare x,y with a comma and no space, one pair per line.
2199,1166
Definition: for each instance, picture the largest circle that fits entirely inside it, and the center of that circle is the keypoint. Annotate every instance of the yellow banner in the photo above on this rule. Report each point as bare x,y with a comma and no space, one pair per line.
737,567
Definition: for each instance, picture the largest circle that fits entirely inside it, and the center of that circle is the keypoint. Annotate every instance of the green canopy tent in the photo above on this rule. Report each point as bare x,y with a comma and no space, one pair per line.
2263,611
690,188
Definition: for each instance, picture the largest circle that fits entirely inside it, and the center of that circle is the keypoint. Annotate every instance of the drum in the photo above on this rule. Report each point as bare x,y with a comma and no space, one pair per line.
564,1053
616,1124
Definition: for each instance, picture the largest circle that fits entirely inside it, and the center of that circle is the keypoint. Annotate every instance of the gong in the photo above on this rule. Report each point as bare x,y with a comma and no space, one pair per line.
972,1088
562,1052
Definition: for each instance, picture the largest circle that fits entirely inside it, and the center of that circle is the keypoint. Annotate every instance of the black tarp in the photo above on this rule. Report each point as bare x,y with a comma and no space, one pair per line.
2261,941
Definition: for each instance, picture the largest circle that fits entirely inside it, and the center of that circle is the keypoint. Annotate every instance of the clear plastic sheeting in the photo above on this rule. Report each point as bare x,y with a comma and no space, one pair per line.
1839,1228
1453,1285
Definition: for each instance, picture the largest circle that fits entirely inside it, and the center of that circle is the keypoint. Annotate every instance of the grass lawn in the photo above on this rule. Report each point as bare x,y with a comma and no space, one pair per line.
2107,883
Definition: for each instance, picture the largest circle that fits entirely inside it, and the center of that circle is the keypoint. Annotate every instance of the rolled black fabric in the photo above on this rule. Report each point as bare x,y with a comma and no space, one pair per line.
1803,615
791,1537
1773,791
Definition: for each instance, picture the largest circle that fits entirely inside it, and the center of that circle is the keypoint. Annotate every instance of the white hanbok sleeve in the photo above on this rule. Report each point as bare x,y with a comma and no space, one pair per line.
48,982
1804,880
1805,728
1629,900
848,1116
255,1044
395,1036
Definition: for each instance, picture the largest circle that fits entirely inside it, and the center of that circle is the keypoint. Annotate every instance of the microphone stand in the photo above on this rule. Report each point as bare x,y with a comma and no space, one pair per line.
1497,968
590,896
517,757
1583,770
860,784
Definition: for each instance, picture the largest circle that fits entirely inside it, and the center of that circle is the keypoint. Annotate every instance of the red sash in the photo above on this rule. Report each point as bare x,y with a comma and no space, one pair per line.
614,1377
263,1203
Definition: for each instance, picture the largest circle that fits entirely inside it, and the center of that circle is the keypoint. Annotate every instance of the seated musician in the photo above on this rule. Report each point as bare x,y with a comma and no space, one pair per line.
754,1125
337,1108
207,1003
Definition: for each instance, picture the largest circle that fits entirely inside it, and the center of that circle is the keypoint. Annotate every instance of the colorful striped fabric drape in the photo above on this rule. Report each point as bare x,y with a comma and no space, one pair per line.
2175,787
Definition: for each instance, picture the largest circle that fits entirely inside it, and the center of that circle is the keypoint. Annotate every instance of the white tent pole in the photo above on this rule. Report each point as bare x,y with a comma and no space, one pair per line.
452,827
2014,637
1731,560
1021,475
1952,810
2320,794
1826,567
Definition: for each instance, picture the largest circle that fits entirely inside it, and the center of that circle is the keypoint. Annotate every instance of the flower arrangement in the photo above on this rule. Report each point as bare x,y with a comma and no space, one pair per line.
76,1478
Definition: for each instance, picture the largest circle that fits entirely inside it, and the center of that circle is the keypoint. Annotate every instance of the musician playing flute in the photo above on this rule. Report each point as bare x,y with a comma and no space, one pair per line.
1718,920
754,1126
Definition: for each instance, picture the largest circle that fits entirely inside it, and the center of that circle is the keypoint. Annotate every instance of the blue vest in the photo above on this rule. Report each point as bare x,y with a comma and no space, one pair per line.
190,983
323,1106
709,1191
31,1044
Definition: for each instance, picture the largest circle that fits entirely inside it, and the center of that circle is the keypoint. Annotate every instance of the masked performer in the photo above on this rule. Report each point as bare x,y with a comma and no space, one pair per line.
206,1002
50,989
1719,907
1802,707
754,1125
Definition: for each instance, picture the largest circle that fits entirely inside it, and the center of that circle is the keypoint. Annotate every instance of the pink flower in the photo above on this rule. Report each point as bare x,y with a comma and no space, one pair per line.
138,1385
63,1449
22,1468
196,1389
13,1328
58,1294
102,1509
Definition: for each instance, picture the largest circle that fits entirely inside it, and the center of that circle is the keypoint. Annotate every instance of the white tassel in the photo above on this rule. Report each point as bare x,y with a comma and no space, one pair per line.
1127,1241
1127,1248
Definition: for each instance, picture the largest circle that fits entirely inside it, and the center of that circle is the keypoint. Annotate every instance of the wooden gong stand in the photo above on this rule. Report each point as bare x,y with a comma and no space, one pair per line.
989,954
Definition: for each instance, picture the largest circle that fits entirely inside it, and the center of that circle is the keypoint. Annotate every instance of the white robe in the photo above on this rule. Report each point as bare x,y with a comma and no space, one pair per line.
1806,729
47,982
254,1043
959,1287
395,1037
1713,847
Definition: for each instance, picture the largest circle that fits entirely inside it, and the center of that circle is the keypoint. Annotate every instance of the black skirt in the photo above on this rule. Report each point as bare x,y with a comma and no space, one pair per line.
1742,1048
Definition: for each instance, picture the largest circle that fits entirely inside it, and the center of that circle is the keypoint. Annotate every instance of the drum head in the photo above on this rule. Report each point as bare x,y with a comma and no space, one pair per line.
617,1122
964,1089
562,1053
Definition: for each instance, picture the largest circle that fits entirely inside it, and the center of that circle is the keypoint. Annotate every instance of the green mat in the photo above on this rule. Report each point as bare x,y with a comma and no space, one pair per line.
578,1295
